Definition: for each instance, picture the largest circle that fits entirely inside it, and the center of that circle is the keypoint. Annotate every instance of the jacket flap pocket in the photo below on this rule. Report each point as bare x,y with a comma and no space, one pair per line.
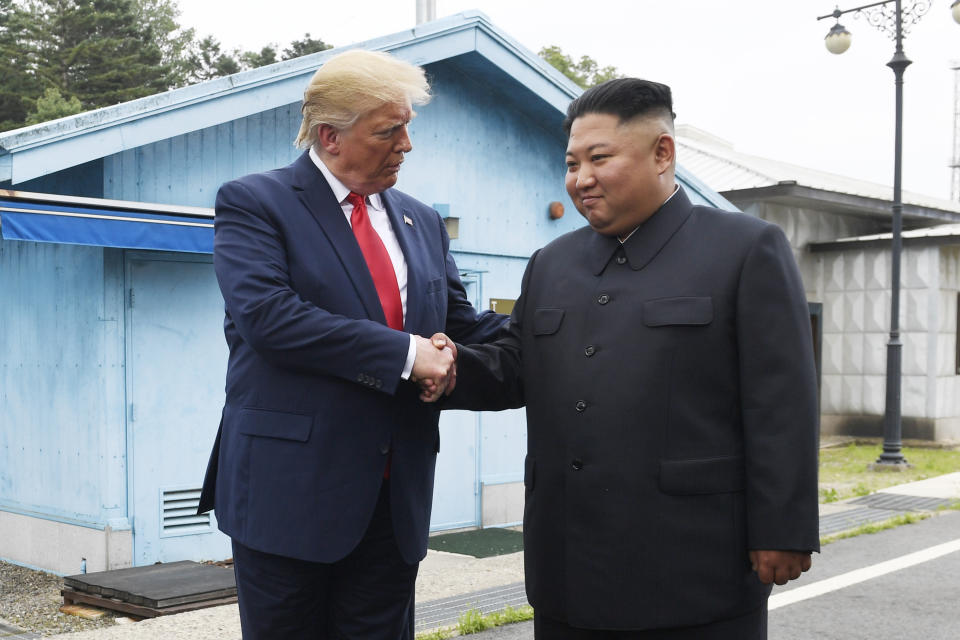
436,284
275,424
546,321
690,311
708,475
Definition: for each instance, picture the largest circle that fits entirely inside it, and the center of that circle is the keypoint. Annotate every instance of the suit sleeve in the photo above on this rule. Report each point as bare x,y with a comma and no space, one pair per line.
463,323
490,376
250,261
778,396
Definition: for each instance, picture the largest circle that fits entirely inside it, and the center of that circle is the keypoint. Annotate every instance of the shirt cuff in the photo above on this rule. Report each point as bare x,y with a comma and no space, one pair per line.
411,357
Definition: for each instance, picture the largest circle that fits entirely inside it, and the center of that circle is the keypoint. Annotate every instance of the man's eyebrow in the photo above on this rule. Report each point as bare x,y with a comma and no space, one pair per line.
591,147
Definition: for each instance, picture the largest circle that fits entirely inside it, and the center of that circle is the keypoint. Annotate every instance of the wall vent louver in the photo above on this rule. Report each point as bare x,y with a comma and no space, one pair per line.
178,513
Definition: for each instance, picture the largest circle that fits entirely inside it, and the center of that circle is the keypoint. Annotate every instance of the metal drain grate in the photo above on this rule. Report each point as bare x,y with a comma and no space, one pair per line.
898,502
444,612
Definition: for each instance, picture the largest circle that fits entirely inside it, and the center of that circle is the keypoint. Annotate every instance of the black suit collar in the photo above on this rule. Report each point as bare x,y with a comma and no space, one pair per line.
647,241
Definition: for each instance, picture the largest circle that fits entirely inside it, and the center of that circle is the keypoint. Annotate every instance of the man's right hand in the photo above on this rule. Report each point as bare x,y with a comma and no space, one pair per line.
433,367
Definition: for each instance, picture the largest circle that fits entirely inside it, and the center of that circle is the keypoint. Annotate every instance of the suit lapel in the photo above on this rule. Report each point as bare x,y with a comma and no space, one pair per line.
411,243
319,200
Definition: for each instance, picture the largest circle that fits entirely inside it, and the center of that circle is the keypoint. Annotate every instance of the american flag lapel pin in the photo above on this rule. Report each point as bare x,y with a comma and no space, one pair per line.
407,220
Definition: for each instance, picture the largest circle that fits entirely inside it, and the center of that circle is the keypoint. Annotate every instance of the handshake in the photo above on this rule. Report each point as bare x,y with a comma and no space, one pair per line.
435,367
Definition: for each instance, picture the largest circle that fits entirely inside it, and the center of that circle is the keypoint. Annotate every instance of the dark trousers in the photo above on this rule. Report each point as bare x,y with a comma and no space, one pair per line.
752,626
367,595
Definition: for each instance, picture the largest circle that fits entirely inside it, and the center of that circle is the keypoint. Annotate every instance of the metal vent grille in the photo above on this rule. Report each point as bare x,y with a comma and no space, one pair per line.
178,513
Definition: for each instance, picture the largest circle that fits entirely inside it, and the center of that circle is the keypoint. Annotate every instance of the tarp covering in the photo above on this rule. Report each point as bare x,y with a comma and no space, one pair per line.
70,223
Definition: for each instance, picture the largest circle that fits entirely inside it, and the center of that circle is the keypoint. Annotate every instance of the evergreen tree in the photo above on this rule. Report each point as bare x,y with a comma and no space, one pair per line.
162,16
100,52
305,46
207,61
19,85
252,59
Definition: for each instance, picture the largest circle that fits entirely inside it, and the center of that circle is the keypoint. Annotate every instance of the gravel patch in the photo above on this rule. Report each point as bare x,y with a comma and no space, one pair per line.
31,600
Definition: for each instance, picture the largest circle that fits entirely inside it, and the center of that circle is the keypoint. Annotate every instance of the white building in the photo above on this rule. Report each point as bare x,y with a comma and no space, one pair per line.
839,229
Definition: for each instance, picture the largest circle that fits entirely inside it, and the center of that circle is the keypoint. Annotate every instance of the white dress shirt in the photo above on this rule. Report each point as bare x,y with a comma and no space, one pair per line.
381,224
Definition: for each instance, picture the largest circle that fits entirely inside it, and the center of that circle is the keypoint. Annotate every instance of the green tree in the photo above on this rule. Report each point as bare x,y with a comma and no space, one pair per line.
99,51
162,17
586,72
305,46
252,59
207,61
51,105
19,84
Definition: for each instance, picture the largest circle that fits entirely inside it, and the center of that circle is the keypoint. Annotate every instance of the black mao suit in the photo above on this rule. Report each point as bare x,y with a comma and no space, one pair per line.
672,415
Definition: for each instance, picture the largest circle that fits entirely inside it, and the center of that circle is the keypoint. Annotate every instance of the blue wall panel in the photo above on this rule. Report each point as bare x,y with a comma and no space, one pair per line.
188,169
61,382
497,168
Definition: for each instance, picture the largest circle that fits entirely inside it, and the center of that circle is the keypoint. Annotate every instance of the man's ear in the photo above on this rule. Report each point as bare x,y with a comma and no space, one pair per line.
328,138
665,152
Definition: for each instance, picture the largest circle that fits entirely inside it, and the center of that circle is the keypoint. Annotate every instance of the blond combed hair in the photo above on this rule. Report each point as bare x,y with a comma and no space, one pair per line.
355,83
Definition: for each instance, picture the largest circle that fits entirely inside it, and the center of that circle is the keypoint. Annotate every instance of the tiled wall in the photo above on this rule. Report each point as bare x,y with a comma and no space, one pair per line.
856,325
854,287
947,381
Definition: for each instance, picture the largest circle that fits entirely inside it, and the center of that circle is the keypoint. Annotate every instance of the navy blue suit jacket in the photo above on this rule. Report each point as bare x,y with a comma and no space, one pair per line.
314,397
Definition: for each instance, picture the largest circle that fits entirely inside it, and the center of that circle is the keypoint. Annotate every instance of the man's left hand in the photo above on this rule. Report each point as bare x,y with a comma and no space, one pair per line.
779,566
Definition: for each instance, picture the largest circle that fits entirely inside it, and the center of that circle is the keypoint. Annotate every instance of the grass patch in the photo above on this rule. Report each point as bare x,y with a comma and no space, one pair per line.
876,527
844,473
473,621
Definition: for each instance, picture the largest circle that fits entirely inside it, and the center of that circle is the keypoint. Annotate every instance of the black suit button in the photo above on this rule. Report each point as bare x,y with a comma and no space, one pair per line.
621,259
384,448
360,377
603,299
378,384
589,351
577,464
581,406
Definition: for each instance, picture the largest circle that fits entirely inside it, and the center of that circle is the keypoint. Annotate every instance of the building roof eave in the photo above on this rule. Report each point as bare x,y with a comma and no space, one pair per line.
59,144
790,193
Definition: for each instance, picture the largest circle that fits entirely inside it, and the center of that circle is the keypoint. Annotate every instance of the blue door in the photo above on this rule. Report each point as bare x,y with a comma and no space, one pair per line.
176,363
456,491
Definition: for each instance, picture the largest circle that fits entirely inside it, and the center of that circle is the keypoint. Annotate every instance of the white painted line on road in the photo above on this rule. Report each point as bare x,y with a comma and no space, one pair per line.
850,578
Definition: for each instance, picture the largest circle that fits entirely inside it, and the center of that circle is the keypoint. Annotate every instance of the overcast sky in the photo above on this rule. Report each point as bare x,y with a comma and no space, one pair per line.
754,72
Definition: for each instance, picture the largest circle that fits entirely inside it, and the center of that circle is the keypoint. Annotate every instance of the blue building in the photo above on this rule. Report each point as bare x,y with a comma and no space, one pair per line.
112,357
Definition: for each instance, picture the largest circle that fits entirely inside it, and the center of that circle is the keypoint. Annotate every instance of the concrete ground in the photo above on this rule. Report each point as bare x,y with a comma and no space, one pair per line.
445,576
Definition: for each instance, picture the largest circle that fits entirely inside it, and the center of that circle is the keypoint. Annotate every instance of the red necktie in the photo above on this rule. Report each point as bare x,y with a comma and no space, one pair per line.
378,261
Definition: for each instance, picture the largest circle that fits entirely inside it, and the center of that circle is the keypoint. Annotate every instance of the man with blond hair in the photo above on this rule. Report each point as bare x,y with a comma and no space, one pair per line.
322,471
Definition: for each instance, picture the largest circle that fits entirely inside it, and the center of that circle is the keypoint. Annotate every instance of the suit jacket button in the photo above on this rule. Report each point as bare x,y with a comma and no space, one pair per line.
603,299
621,259
581,406
379,383
360,377
577,464
590,350
384,448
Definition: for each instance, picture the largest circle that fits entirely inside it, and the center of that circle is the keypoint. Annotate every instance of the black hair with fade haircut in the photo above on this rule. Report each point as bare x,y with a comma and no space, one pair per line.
625,98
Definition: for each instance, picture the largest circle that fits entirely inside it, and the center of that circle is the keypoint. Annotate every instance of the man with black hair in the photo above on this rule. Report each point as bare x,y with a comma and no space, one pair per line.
665,359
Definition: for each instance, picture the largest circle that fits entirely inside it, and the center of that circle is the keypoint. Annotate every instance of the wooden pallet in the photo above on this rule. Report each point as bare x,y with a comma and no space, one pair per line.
154,590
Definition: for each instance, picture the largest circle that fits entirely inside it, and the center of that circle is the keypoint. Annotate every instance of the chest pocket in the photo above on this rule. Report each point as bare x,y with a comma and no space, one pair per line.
547,321
681,311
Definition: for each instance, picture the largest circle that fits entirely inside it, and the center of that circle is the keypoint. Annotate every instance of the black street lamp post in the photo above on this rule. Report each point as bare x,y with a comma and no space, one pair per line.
895,22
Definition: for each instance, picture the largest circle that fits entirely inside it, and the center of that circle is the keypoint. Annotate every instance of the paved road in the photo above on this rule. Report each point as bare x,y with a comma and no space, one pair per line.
920,602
